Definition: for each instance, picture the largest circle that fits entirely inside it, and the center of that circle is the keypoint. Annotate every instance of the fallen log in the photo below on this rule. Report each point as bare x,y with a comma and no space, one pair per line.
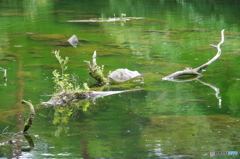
64,98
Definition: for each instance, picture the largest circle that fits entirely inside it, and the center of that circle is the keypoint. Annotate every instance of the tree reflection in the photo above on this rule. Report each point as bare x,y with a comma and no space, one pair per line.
62,114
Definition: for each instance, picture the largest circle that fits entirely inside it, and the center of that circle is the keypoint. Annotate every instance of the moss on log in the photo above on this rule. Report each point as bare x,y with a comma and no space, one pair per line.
30,120
64,98
96,71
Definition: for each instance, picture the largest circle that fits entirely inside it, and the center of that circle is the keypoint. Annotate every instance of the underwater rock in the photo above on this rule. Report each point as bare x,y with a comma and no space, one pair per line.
48,37
24,74
59,43
191,29
121,75
65,42
9,58
58,39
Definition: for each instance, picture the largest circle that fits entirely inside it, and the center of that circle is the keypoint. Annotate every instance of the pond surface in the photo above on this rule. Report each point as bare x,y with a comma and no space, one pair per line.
164,119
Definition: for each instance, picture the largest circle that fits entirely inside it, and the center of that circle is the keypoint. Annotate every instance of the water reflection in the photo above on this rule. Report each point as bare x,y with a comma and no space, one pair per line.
32,8
112,124
15,143
185,136
165,119
197,78
62,115
216,90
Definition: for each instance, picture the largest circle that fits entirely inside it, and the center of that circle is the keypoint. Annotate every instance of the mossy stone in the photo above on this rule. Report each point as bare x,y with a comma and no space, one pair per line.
49,37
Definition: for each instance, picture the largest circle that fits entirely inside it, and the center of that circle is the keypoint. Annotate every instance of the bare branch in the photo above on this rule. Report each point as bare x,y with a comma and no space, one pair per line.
29,122
196,71
215,57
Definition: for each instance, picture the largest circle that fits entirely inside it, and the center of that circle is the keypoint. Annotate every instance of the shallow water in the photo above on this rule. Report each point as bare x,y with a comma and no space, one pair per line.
164,119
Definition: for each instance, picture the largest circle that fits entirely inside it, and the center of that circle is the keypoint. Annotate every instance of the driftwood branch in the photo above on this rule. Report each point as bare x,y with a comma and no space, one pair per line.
29,122
4,76
96,71
30,142
68,97
195,72
15,138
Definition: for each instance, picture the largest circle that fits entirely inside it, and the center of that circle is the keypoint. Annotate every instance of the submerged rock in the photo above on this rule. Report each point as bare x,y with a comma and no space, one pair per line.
191,29
58,39
121,75
48,37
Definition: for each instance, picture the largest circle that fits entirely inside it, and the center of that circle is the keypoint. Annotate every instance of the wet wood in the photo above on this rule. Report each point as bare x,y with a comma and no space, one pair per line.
29,122
96,71
64,98
195,72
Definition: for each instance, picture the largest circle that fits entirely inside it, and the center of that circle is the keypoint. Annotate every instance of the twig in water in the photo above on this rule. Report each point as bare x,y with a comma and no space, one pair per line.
4,74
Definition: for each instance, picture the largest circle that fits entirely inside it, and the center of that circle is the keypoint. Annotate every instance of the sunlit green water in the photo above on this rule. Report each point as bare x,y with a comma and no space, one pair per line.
163,120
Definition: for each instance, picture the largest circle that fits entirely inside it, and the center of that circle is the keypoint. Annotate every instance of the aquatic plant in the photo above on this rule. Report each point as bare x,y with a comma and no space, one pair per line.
66,85
62,80
69,90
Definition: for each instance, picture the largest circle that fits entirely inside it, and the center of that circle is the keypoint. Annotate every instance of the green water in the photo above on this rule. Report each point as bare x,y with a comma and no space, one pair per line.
164,119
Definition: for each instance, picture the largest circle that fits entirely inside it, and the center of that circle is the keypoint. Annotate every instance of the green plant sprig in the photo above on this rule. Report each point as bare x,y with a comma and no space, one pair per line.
62,79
